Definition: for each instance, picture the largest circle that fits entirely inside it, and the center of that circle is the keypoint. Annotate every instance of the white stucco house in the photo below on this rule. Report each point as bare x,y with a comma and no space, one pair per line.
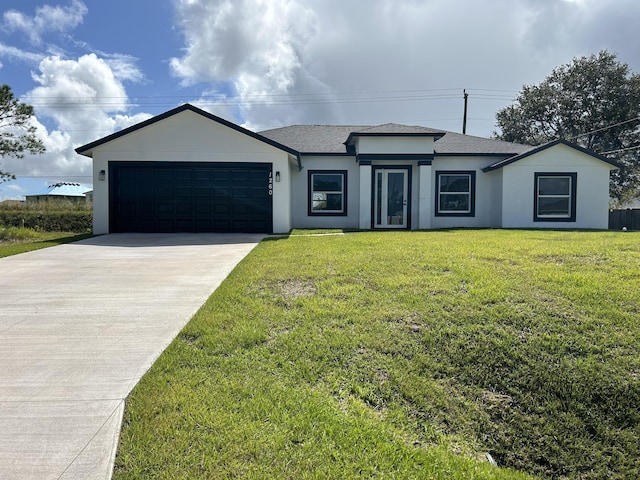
188,170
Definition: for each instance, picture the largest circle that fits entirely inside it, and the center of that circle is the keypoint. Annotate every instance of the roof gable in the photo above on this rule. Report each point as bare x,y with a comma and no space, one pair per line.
87,149
532,151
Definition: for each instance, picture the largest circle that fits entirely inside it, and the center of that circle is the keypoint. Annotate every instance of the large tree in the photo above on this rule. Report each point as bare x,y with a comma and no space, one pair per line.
17,134
593,101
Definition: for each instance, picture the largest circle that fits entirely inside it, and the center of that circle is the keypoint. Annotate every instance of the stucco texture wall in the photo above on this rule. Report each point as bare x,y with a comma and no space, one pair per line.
190,137
592,188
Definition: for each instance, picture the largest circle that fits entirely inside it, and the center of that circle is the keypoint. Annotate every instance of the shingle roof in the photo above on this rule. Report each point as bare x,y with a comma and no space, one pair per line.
331,138
396,128
455,143
313,138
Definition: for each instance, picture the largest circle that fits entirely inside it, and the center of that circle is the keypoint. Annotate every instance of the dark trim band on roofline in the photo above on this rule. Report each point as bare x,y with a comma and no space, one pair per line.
435,135
407,157
86,149
475,154
325,154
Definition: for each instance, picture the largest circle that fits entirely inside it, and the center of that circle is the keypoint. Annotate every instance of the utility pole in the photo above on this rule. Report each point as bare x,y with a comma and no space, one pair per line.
464,118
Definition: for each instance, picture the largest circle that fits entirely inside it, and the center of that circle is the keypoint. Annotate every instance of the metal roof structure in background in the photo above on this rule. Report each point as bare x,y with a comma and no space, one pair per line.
63,189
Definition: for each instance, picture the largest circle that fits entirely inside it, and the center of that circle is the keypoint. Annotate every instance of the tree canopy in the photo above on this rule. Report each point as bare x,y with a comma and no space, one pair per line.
594,102
17,134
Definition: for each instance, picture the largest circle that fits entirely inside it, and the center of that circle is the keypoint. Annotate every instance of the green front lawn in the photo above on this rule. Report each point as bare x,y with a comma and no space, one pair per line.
20,240
403,355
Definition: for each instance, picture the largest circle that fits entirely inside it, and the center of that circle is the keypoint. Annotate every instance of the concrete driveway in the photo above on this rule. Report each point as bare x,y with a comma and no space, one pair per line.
79,326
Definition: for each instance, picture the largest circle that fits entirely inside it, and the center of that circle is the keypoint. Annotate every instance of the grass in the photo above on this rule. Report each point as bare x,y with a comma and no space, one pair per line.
14,240
403,355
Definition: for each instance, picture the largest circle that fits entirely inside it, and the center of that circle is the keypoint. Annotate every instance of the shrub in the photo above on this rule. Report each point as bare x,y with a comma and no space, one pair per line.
16,233
48,217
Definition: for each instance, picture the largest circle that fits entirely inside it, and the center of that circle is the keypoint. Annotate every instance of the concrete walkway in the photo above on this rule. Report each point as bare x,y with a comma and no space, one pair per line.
79,325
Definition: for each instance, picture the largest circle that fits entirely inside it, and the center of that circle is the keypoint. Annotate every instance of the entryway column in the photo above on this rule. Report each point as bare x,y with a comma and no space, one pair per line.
425,199
364,222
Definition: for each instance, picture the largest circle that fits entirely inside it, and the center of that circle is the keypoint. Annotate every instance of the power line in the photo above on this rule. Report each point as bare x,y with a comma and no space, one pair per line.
622,150
268,99
606,128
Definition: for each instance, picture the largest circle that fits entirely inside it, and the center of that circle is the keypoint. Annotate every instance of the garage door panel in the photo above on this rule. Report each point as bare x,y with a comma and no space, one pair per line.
222,225
164,208
202,209
199,191
200,174
222,192
184,209
185,224
189,197
182,191
182,174
222,209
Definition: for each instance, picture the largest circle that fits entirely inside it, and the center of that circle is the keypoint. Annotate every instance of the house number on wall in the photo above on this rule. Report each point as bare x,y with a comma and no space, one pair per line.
270,184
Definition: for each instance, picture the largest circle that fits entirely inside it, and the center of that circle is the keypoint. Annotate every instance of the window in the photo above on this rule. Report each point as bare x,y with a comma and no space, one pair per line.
555,197
327,192
455,193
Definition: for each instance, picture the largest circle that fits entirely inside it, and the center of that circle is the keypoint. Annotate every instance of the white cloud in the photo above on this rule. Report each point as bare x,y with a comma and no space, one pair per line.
123,66
46,19
85,100
18,54
317,61
256,46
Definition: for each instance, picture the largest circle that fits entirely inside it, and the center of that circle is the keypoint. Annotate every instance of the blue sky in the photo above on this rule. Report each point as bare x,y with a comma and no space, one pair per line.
92,67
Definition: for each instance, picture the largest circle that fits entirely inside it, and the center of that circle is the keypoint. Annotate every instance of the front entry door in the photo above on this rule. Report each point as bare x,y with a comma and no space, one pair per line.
391,198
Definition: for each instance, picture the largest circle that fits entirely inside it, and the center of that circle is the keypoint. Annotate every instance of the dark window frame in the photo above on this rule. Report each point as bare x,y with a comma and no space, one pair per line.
571,217
472,194
311,191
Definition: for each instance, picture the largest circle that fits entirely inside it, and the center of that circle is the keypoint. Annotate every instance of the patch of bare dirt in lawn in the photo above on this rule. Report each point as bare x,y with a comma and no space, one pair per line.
296,288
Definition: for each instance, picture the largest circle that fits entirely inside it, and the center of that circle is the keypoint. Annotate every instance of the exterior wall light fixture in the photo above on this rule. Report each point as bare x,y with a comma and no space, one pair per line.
277,176
101,175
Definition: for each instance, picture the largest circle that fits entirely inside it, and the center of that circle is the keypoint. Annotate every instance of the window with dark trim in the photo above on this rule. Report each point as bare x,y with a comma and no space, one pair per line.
555,197
327,192
455,193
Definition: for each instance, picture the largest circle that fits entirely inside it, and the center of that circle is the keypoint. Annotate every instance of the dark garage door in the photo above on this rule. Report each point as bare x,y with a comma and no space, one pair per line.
190,197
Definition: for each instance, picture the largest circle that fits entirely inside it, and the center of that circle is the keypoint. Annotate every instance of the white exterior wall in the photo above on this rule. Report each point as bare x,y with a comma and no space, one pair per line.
484,193
395,144
300,193
364,221
190,137
425,196
496,198
592,188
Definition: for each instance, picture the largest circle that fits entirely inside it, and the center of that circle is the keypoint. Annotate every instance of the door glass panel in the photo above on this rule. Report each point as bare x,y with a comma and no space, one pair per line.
390,198
395,198
379,198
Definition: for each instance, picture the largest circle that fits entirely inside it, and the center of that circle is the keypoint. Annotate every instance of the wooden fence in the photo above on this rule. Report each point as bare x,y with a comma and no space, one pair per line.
629,218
